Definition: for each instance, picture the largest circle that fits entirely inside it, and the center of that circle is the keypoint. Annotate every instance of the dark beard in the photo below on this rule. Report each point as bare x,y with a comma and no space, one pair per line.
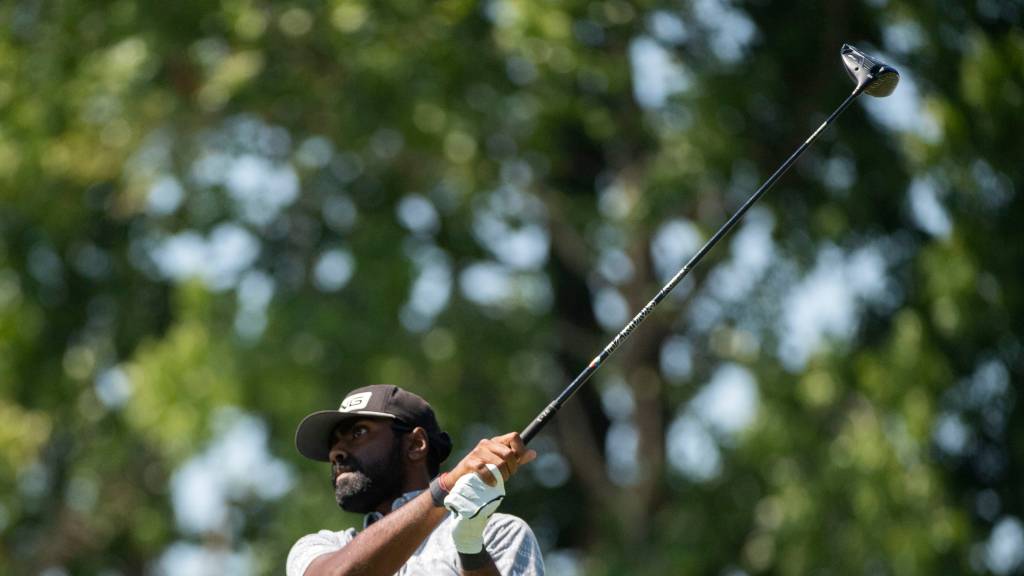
369,485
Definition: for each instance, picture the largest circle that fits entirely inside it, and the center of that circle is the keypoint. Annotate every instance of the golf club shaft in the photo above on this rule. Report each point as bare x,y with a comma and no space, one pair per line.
549,412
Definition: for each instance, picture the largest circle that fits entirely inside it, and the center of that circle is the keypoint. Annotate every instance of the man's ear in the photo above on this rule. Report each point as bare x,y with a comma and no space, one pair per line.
418,445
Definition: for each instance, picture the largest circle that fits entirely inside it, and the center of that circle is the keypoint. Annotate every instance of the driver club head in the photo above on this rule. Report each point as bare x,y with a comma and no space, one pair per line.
879,78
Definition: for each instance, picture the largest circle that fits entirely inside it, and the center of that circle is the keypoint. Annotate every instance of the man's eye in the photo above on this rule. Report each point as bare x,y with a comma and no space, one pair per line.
358,431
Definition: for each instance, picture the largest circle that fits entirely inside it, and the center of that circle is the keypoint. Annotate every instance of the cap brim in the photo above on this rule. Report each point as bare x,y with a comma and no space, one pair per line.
313,436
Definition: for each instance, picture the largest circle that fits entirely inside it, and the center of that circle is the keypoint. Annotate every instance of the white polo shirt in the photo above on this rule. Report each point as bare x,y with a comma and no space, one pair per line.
508,539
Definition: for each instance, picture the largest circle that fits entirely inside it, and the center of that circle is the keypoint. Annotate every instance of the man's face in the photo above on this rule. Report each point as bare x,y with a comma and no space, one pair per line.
366,464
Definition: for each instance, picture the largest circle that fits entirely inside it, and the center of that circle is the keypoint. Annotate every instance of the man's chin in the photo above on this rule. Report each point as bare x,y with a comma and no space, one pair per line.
356,503
356,496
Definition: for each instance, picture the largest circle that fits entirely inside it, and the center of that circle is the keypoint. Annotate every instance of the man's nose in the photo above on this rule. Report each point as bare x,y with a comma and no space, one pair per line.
337,452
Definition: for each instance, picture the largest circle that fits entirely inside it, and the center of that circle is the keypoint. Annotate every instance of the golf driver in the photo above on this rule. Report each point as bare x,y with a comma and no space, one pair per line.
871,76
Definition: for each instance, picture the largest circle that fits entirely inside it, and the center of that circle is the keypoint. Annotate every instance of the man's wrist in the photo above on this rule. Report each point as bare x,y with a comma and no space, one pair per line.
475,561
439,490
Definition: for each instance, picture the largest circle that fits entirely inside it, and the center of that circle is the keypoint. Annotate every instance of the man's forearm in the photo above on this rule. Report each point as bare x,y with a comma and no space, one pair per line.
386,545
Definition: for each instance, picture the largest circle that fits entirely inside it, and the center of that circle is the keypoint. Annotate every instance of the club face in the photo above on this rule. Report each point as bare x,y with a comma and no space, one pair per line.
879,78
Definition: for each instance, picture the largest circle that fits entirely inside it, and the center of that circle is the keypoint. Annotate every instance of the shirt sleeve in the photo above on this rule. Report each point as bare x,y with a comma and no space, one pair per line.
511,543
311,546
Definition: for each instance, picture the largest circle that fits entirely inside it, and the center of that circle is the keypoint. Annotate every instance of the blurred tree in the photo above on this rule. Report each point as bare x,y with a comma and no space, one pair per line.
216,217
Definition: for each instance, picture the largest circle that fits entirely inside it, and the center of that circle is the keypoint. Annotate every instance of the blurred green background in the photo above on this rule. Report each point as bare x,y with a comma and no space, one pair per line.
217,217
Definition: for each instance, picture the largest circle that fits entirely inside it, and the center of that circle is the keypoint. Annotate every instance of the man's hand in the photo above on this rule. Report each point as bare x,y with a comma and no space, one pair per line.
472,503
507,452
477,489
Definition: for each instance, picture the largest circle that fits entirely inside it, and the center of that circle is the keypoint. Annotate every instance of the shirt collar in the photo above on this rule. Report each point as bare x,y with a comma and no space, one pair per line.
398,503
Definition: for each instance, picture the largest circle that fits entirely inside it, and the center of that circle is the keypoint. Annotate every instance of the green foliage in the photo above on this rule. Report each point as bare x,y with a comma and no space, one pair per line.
216,211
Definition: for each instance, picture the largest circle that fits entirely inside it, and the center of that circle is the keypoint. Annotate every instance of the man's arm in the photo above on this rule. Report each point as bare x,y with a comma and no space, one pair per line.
386,544
474,558
396,539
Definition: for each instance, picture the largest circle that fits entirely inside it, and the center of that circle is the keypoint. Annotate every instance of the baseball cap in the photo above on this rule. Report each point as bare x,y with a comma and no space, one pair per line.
313,436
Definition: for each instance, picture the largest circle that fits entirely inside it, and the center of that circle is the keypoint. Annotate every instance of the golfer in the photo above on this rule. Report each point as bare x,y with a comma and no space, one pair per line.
385,448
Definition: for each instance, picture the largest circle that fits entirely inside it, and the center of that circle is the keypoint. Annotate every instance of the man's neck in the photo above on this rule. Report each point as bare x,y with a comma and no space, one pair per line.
388,504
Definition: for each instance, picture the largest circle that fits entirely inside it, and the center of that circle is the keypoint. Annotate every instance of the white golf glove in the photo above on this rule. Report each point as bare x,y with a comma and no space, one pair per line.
472,502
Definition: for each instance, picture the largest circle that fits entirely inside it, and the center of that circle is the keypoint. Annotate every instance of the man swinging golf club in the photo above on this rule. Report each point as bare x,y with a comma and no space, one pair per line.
386,448
385,445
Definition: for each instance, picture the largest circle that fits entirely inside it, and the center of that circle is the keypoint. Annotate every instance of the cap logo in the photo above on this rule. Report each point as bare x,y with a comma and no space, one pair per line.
355,402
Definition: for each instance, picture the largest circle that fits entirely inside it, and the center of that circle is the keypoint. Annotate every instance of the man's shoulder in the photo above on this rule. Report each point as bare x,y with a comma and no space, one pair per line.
513,545
508,520
307,548
508,526
505,528
340,537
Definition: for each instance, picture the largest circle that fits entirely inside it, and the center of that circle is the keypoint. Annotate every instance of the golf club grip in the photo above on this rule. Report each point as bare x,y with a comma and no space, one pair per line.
538,423
548,413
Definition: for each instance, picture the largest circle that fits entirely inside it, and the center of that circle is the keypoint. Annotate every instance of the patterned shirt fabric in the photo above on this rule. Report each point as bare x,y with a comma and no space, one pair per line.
507,538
